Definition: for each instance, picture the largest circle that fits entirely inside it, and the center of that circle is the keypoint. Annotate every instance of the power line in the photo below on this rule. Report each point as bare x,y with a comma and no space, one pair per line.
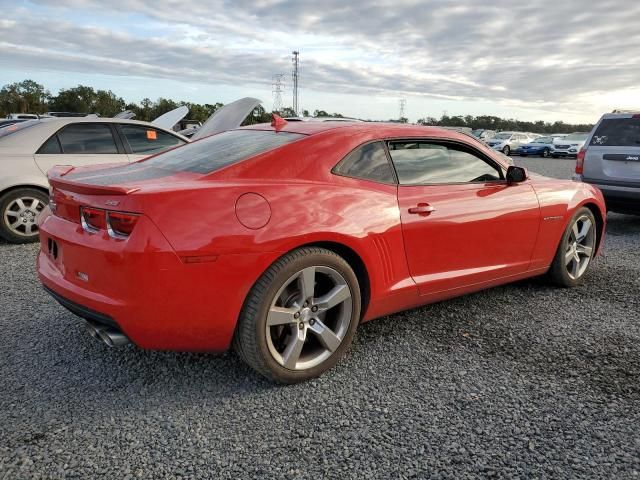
296,63
277,87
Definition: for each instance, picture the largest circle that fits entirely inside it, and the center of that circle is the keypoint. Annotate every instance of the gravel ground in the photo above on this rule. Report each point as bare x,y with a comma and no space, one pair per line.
524,380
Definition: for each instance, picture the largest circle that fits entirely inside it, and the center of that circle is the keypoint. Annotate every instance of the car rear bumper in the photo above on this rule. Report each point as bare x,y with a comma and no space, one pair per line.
618,198
143,288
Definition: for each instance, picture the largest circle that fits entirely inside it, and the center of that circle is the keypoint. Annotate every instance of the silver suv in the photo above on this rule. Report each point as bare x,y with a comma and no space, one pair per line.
610,160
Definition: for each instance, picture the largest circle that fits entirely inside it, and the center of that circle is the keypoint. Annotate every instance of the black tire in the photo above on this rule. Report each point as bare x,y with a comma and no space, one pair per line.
555,156
29,197
559,273
250,338
546,152
506,150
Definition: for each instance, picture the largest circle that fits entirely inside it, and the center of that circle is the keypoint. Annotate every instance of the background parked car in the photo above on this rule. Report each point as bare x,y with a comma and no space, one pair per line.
482,134
506,142
570,145
29,149
610,160
539,146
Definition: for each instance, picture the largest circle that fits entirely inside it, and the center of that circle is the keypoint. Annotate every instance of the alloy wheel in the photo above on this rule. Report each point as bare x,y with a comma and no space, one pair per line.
579,247
21,215
309,318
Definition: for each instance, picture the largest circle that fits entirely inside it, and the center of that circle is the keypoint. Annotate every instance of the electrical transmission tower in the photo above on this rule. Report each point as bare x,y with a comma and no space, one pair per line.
296,63
277,87
403,104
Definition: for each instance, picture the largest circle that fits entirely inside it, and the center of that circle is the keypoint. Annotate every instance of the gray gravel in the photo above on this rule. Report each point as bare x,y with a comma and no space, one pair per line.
524,380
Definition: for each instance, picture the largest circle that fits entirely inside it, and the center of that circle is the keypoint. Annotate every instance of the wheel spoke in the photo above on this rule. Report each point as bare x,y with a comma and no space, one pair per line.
568,257
34,204
336,296
329,340
280,316
584,230
20,204
292,353
584,250
11,213
575,267
307,281
574,229
27,228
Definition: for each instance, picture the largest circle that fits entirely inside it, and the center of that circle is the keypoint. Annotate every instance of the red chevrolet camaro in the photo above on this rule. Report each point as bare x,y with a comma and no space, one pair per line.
280,239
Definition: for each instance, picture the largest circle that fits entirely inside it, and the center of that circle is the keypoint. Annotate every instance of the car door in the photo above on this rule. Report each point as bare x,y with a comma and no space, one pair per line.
142,141
80,144
462,223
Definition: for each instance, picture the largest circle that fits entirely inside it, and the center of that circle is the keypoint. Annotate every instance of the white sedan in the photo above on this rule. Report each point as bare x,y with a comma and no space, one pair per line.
29,149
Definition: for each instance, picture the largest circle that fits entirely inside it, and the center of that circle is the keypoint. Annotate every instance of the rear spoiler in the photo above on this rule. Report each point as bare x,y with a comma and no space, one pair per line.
56,181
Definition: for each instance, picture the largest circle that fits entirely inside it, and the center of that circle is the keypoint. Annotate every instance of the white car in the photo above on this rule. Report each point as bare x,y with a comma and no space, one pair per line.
569,146
29,149
506,142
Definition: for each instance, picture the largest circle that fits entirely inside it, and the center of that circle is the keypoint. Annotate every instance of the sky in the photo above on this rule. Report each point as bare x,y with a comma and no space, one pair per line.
569,60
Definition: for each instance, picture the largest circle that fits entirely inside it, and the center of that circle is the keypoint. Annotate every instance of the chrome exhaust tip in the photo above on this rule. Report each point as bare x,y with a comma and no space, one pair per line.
113,338
109,336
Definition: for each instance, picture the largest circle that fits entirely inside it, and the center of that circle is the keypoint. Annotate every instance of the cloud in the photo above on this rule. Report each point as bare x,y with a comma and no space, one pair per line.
542,53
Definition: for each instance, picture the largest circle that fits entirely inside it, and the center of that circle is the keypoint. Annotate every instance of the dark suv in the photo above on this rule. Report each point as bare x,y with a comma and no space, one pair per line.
610,160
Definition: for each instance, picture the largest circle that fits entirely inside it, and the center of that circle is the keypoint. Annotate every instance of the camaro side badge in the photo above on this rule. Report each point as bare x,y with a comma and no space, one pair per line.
556,217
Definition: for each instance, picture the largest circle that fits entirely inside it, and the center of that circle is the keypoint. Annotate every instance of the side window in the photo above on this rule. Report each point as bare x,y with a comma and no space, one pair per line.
50,147
368,162
88,138
148,140
432,163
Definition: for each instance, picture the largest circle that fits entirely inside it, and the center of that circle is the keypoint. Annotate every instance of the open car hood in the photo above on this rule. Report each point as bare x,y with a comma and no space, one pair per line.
169,119
227,118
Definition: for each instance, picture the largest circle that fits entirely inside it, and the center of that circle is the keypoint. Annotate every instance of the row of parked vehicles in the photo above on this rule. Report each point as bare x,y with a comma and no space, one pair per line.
524,143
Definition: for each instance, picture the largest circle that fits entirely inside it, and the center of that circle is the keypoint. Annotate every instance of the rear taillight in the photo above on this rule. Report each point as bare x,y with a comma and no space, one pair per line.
93,219
121,224
580,161
117,224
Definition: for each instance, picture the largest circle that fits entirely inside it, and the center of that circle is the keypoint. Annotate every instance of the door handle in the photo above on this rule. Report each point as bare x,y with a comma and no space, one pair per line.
422,209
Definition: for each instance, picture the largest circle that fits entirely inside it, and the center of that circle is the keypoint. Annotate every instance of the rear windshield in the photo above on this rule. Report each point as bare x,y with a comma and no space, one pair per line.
217,151
618,132
16,127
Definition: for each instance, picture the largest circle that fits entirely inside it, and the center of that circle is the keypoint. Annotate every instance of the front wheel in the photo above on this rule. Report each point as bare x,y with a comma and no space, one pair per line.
19,210
506,150
546,152
576,250
300,316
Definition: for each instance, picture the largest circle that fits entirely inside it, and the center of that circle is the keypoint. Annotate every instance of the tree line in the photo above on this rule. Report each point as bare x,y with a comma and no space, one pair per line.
489,122
31,97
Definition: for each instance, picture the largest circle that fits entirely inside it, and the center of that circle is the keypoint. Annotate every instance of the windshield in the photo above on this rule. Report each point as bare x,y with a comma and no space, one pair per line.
502,136
580,137
543,140
476,133
16,127
619,132
217,151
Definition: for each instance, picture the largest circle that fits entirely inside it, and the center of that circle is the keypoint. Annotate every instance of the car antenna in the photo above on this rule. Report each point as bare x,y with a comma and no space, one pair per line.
277,121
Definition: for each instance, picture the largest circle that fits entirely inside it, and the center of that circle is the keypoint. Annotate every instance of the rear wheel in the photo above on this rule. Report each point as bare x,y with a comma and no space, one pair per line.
19,210
576,249
300,316
506,150
546,152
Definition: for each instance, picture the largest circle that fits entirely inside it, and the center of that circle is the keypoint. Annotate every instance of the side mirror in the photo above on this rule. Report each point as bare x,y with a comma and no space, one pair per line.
516,174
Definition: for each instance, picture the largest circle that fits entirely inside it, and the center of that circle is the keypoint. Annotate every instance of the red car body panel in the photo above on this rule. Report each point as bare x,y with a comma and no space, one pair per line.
179,281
